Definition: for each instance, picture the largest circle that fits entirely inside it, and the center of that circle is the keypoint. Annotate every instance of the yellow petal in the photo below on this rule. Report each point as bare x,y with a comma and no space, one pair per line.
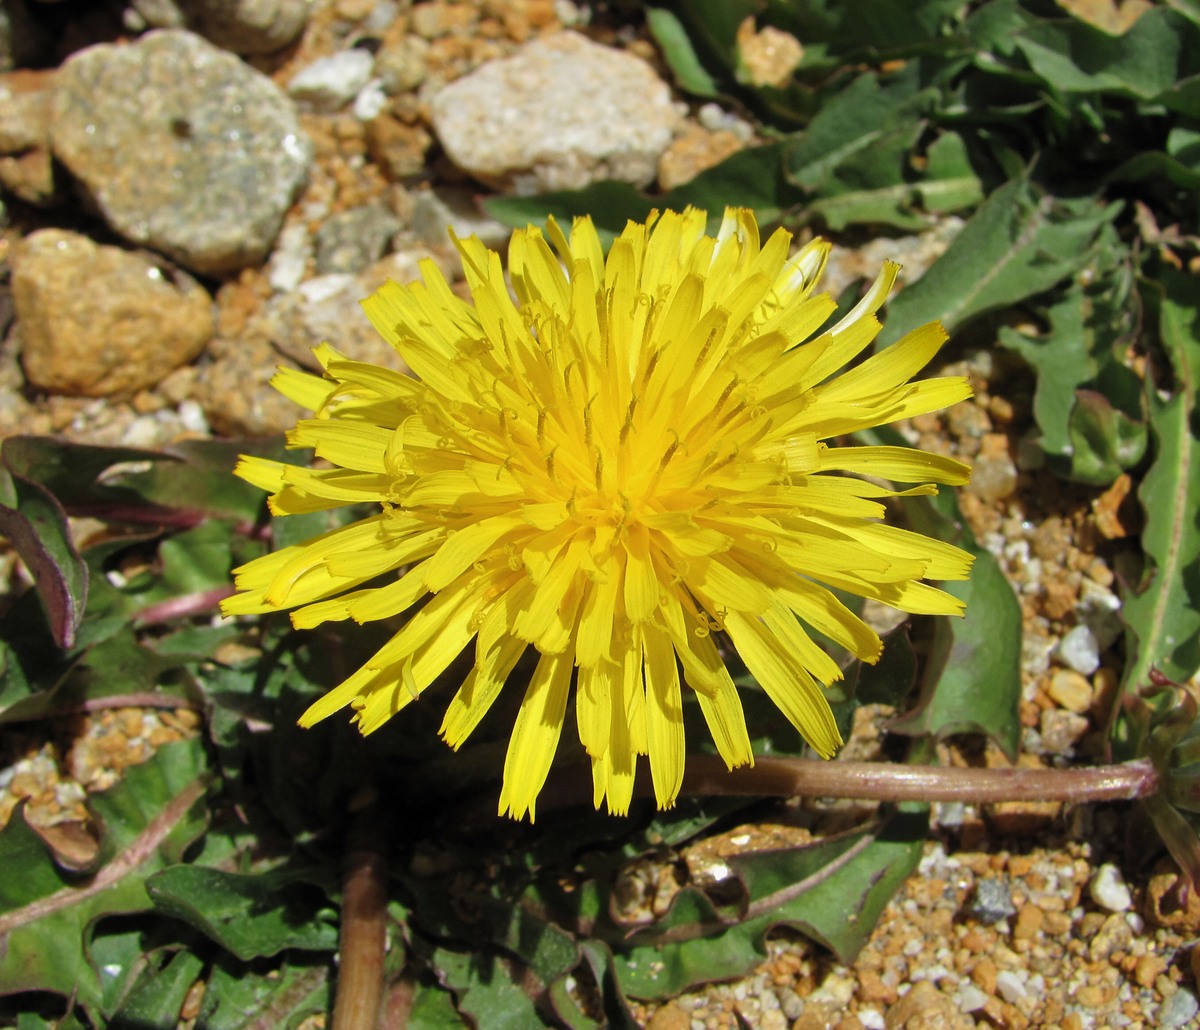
535,736
664,715
786,682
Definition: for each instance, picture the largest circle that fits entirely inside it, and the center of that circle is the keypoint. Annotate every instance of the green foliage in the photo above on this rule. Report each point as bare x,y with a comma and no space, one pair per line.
48,914
971,680
1163,611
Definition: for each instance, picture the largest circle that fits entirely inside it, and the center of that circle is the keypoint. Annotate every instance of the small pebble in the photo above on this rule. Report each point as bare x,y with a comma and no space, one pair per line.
872,1019
1178,1010
971,998
1071,690
293,249
1010,987
370,102
993,901
1108,890
1061,731
1078,650
330,83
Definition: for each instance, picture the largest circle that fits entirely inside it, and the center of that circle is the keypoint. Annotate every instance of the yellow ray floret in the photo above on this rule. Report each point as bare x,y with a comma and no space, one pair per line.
614,466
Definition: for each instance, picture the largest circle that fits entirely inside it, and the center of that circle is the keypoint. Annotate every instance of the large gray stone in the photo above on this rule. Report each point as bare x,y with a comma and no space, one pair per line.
560,113
181,147
243,26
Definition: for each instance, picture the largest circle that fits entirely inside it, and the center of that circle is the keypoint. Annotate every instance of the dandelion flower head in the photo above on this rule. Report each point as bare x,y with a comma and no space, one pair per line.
635,453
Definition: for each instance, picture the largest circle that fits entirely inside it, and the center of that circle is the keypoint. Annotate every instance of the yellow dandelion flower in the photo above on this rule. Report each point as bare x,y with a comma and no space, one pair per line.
626,457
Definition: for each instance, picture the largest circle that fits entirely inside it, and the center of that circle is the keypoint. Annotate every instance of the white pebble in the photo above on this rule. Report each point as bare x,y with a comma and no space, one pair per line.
1010,986
141,432
1078,650
871,1019
1108,890
293,248
1179,1009
191,417
971,998
371,101
332,82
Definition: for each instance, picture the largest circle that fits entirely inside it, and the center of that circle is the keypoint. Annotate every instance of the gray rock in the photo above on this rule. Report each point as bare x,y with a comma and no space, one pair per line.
97,320
1178,1010
560,113
141,15
242,26
350,240
437,212
992,901
330,83
181,147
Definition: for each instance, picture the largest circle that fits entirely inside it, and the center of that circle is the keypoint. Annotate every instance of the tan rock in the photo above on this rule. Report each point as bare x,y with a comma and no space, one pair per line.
926,1008
694,150
1029,923
670,1017
768,55
97,320
1071,690
398,148
26,169
1171,902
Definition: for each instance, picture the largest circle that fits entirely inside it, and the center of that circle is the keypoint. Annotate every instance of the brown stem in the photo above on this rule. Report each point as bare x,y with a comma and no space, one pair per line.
886,781
364,928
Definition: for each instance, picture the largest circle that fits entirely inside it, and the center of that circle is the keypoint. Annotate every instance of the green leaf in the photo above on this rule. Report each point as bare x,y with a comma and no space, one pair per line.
877,27
1082,379
252,916
752,178
1104,440
1163,612
971,681
36,526
156,999
850,124
1017,245
46,915
118,666
254,997
950,183
486,989
177,486
1157,52
680,54
433,1009
838,902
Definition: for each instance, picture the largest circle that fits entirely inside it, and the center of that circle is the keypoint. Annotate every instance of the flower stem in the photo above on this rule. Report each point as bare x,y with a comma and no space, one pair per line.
363,940
886,781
